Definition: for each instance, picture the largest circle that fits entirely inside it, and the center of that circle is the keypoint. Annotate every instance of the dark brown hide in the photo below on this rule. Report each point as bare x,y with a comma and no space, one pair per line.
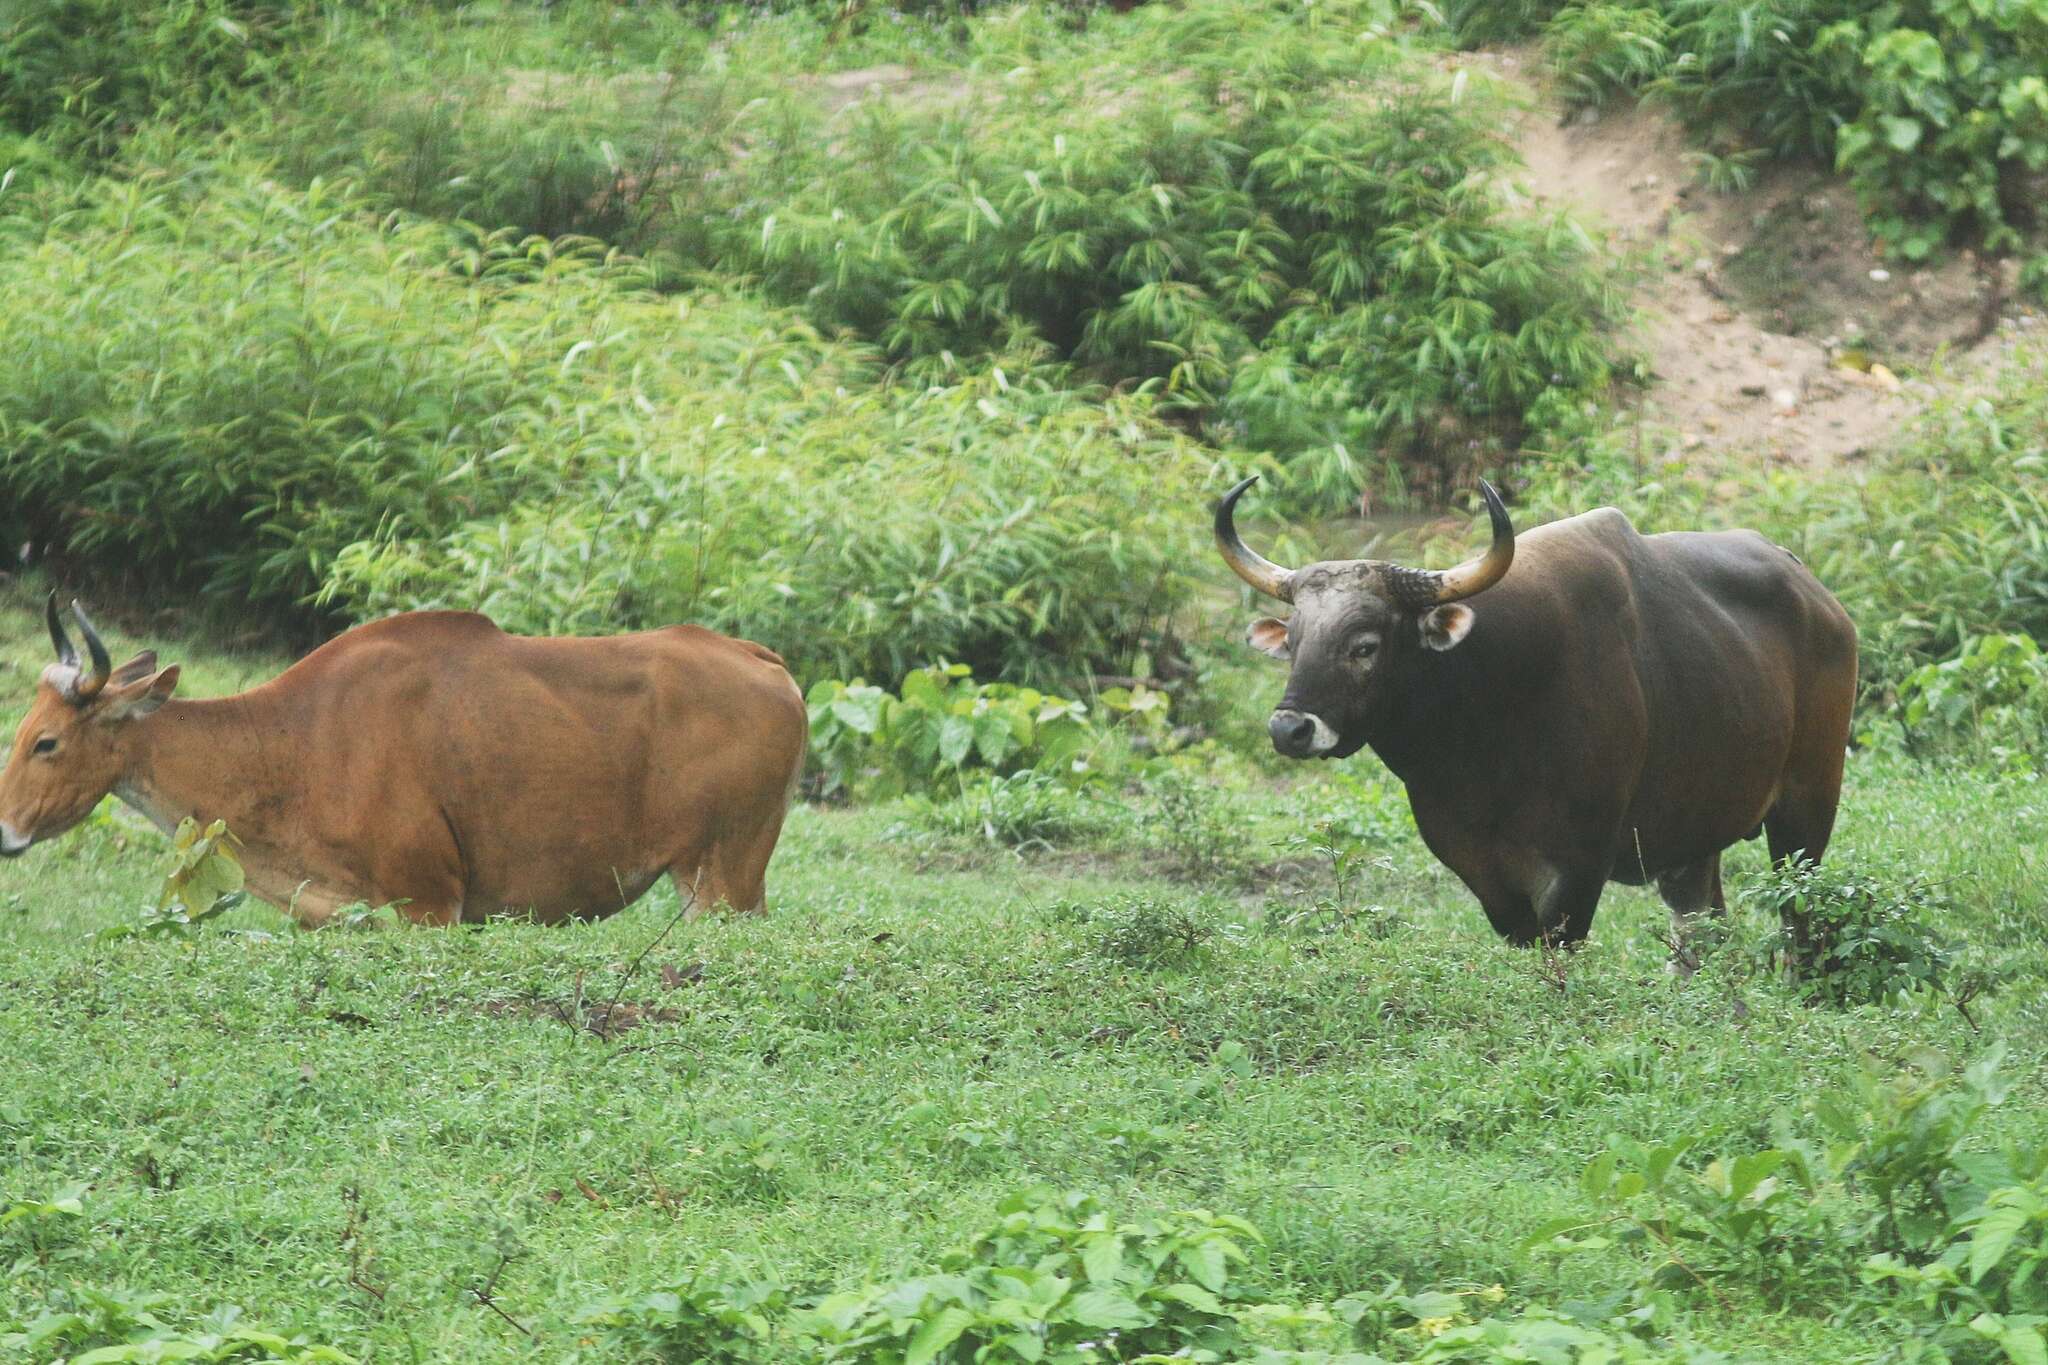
1618,707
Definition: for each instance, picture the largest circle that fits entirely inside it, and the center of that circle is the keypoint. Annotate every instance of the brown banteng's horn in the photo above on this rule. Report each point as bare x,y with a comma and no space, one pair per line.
1262,573
89,684
1419,588
66,654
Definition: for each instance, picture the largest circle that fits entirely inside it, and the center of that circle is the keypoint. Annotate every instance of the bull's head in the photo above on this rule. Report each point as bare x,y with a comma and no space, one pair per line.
1358,626
71,749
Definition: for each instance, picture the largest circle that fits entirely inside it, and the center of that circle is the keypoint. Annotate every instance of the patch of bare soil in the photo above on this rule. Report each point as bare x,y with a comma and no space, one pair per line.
1770,323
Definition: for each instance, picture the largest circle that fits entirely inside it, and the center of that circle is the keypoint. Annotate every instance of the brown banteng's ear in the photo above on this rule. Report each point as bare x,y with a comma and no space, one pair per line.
1269,636
137,698
1444,627
141,666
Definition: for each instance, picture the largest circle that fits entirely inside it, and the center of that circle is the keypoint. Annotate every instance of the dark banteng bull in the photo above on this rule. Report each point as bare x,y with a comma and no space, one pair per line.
1620,707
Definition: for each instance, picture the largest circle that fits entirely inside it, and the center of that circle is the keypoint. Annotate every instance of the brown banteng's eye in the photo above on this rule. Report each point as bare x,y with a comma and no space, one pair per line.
46,745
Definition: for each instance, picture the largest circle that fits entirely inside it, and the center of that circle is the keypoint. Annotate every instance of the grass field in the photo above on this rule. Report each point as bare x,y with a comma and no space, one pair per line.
345,1133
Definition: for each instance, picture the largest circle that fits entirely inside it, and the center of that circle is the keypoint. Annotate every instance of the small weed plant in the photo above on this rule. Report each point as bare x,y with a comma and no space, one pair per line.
1141,931
1026,809
203,880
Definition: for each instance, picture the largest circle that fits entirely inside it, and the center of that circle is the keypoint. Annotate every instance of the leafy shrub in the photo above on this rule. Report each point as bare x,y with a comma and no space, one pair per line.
86,1326
33,1228
1963,1236
1332,843
1984,1299
1756,1218
1893,1183
1991,699
1196,825
944,722
77,1324
1861,938
1937,109
299,400
708,1317
1898,1140
1476,22
1952,123
203,880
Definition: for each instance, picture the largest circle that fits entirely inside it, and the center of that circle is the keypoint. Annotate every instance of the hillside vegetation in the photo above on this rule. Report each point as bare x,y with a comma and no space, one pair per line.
915,342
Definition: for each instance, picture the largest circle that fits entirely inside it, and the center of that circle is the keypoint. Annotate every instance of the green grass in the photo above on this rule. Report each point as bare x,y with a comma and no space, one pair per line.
263,1118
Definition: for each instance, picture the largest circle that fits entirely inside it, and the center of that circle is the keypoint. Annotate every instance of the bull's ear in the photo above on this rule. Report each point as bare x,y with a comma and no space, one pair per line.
1443,627
136,699
1269,637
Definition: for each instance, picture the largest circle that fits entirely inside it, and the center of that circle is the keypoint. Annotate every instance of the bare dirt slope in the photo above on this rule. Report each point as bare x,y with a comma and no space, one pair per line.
1770,323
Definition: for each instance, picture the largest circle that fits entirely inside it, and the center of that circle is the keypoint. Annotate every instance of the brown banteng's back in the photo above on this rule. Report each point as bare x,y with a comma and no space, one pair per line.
435,760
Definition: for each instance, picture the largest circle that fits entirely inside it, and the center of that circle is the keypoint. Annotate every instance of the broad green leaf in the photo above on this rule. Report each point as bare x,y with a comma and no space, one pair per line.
936,1335
1107,1308
1205,1263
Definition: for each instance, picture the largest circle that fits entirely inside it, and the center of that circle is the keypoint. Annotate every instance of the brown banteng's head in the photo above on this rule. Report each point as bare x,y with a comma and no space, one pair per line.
71,748
1358,625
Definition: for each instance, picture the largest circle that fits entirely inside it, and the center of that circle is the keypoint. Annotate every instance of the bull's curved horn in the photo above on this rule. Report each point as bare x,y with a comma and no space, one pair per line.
89,684
1262,573
66,654
1430,588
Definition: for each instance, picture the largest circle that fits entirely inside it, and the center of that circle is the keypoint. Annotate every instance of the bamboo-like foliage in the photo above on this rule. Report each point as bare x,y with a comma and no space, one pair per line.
84,73
1278,219
276,394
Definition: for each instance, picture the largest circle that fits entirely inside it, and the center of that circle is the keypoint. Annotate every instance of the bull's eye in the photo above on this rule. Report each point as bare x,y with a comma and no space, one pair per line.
45,746
1366,647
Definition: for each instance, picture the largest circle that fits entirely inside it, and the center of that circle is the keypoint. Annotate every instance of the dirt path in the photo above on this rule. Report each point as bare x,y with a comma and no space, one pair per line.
1770,325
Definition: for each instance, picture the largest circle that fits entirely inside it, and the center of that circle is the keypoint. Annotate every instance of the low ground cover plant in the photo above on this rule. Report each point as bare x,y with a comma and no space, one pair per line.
1055,1278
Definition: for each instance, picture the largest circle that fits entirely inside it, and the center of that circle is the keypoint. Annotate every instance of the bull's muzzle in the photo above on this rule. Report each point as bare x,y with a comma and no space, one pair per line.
1297,734
12,845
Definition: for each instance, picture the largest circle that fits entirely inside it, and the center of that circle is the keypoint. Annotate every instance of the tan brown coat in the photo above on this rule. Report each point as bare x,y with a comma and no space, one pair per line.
434,761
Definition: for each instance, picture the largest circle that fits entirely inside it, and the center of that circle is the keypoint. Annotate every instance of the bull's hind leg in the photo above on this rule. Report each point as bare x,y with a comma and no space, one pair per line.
1798,828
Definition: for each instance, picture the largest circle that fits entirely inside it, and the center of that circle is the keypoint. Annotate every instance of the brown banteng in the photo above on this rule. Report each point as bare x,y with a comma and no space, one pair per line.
1620,707
433,761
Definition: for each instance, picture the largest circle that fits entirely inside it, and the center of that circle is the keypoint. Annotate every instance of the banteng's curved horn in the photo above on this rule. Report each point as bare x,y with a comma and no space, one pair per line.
66,654
1262,573
89,684
1418,588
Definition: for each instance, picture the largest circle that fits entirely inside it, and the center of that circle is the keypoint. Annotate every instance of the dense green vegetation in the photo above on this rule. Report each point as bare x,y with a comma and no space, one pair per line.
912,342
1936,109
